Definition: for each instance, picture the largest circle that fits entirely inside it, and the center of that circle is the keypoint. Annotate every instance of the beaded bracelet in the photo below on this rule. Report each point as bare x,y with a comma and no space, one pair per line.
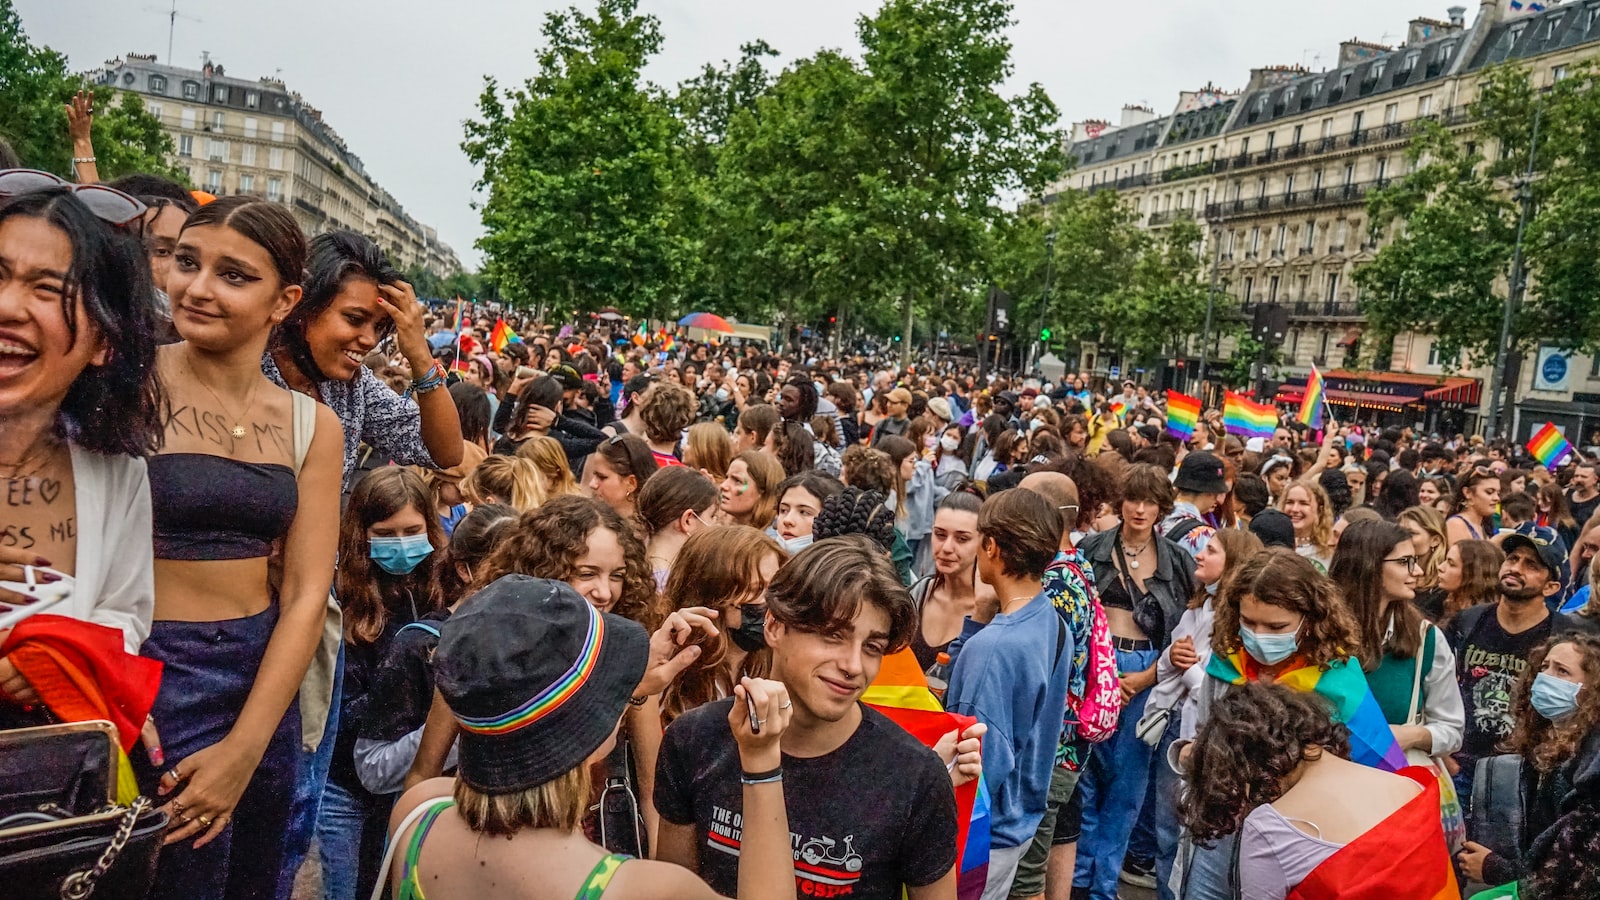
432,379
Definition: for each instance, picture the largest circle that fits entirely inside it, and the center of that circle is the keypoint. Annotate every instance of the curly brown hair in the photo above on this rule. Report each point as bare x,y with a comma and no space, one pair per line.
1280,577
548,542
719,568
1540,742
667,411
1256,736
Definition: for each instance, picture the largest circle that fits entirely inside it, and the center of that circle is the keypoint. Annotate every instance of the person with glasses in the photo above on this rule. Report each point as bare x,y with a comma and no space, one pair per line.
80,408
1377,567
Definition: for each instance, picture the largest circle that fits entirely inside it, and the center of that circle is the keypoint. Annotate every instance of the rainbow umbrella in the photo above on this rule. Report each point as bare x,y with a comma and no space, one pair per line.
707,321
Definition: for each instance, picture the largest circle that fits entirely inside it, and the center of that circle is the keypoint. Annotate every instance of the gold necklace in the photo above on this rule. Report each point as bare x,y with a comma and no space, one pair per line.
238,430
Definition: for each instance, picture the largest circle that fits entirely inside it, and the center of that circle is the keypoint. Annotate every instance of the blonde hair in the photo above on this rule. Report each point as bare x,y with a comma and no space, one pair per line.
1322,527
550,461
1429,519
559,803
709,447
511,480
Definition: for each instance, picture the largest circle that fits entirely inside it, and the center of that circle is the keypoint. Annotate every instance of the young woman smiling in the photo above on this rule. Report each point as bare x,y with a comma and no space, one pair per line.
79,406
1476,498
1306,504
245,464
353,300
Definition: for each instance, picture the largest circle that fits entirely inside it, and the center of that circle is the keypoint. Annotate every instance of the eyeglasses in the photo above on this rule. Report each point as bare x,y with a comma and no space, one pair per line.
1410,562
109,204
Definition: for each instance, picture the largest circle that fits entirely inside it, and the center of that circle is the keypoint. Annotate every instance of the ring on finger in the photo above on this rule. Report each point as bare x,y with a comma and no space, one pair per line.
177,807
174,774
205,821
786,704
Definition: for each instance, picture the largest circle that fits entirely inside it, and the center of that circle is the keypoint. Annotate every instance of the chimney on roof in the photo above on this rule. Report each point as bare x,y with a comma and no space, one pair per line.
1354,51
1089,129
1458,16
1423,29
1134,114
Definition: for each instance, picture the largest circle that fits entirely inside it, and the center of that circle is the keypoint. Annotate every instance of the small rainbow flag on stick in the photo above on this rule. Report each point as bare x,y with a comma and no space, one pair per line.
1549,447
1311,407
500,336
1247,418
1183,413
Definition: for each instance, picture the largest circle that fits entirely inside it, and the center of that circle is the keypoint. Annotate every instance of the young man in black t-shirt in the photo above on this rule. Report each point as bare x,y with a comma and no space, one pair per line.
1492,641
870,808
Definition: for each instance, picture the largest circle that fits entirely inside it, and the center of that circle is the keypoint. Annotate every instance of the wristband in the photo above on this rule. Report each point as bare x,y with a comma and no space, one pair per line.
430,380
761,777
79,160
638,700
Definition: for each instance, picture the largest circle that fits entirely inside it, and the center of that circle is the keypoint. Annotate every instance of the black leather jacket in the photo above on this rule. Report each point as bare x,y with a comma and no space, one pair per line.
1167,590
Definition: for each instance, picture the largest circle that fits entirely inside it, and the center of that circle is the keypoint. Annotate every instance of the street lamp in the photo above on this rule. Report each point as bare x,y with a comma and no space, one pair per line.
1044,304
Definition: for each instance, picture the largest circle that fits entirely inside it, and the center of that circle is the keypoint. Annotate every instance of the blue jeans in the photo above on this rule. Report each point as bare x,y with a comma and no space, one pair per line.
352,826
1209,871
1156,835
308,789
1113,787
210,668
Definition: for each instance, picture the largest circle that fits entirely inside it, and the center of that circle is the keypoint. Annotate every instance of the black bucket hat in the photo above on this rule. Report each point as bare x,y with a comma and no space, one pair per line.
537,678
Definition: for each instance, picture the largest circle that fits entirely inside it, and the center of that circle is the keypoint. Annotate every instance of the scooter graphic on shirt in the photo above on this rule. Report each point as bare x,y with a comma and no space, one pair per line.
819,851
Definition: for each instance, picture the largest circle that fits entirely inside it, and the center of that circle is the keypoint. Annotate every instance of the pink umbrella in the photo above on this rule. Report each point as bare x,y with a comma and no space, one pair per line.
707,321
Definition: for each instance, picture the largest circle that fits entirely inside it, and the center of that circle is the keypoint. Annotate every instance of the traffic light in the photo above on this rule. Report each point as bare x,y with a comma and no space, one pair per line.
897,339
1044,334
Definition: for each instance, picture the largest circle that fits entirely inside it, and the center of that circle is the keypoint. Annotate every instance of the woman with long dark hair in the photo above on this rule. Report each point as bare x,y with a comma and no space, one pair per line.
388,539
245,464
80,405
945,598
618,472
676,502
1477,496
353,300
1376,566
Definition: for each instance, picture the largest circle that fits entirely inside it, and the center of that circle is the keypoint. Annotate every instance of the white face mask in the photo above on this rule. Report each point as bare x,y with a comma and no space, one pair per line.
796,544
949,444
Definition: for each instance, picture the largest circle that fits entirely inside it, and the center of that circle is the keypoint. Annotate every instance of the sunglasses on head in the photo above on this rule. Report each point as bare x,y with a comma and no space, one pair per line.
109,204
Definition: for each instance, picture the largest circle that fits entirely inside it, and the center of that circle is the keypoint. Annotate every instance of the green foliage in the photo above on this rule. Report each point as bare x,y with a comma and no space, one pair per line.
585,171
1454,221
35,88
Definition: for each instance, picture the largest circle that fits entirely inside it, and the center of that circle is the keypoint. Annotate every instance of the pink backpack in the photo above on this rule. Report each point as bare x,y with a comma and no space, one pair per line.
1101,703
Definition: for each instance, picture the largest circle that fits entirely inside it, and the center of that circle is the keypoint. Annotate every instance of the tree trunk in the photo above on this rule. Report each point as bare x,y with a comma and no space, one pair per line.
905,337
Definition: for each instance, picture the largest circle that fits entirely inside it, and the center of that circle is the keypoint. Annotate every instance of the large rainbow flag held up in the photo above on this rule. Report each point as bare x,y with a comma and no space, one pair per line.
1345,688
901,692
1549,447
1311,406
1183,414
1247,418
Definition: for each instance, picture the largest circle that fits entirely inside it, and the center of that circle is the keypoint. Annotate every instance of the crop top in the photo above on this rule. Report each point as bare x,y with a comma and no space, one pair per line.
209,507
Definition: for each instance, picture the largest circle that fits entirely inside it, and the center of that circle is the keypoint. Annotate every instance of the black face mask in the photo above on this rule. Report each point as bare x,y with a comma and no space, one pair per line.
751,635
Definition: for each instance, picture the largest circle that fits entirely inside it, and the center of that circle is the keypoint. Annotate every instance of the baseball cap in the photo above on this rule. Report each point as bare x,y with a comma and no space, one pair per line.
1545,543
568,376
899,395
1149,432
940,407
537,678
1201,473
1273,527
1041,402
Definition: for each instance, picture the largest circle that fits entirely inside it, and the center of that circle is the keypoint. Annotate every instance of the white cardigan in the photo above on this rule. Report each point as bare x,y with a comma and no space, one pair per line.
114,578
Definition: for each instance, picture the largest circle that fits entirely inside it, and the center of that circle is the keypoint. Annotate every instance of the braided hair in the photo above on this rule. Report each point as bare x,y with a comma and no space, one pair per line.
855,511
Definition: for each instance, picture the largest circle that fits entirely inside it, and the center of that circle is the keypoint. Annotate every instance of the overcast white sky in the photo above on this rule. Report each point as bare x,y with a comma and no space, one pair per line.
398,78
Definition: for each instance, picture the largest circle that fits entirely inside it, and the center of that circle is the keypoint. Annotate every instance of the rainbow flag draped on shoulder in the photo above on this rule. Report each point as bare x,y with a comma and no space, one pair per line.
1246,418
901,692
1405,855
1345,688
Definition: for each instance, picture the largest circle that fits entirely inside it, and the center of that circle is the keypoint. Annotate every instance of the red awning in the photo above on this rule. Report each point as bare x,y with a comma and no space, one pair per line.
1352,336
1367,400
1466,391
1290,395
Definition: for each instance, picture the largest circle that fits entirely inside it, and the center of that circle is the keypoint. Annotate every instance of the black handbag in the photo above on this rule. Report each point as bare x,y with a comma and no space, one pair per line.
619,820
62,835
1498,809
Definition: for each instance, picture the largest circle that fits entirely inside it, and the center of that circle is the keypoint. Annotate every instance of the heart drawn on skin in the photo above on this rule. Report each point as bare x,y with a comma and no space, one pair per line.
49,489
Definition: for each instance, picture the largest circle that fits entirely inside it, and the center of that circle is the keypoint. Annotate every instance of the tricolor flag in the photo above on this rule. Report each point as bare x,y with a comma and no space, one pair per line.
1549,447
901,692
1183,414
1311,406
1248,419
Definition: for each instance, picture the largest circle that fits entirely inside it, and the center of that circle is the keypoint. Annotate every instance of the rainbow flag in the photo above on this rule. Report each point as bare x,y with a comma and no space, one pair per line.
1405,855
1345,688
901,692
1183,414
1311,406
501,335
1549,447
1119,409
455,324
1248,419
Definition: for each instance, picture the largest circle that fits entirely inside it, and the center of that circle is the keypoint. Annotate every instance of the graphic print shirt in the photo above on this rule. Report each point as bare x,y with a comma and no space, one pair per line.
1488,663
873,815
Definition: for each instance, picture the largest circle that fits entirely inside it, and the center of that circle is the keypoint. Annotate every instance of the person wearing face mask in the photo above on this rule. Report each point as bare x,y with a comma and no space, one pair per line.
1557,736
800,498
403,686
950,468
387,539
725,568
1281,621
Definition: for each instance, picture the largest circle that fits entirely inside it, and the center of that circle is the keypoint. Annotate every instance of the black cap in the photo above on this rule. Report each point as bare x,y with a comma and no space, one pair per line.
537,679
1201,473
1150,433
1273,528
1545,543
568,376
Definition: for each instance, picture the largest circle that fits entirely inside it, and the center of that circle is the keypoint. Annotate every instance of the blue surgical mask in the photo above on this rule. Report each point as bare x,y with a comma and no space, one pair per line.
399,555
1553,697
796,544
1270,649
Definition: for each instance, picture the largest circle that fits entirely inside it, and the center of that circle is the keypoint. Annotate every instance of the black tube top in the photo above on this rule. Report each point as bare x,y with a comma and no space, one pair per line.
210,507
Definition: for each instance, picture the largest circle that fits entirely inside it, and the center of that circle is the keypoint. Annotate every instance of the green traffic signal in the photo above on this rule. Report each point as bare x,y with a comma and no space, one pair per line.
897,339
1044,334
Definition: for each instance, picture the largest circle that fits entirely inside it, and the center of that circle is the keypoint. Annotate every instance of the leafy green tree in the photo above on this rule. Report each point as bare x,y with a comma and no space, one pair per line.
1454,224
35,88
584,170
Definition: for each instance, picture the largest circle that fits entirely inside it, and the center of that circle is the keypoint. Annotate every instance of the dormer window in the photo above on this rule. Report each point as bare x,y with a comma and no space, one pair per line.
158,84
191,90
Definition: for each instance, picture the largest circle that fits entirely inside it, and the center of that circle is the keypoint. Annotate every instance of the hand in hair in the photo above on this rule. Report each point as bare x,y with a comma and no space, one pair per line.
400,302
670,650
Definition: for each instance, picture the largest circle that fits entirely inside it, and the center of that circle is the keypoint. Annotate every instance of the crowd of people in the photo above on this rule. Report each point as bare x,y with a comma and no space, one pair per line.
615,601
